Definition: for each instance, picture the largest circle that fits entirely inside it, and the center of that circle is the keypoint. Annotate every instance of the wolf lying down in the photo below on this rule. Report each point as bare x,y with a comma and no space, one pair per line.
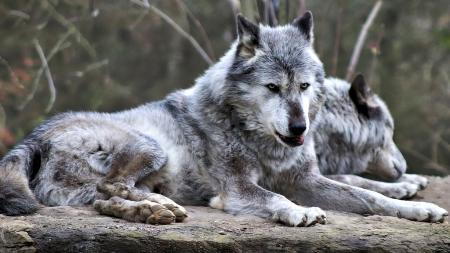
243,139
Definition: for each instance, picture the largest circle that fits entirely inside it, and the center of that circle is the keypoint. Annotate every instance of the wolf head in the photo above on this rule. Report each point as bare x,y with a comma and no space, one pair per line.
276,79
355,132
385,159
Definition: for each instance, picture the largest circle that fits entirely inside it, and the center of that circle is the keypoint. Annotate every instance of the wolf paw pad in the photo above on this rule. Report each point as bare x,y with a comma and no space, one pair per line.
302,217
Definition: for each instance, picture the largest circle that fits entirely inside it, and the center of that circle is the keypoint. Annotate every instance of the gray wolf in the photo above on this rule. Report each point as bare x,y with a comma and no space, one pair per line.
241,139
354,137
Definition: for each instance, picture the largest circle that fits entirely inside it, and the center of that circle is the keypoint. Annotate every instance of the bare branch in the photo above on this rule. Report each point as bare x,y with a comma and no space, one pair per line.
58,47
375,49
271,12
428,162
70,27
200,27
51,85
2,117
19,14
286,11
337,41
11,72
171,22
301,8
91,67
361,39
235,6
142,3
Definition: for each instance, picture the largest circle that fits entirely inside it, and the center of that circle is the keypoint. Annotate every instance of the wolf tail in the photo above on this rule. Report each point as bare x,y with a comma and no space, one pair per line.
16,169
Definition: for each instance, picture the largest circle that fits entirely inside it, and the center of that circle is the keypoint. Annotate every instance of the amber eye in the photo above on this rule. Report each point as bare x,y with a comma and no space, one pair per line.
304,86
273,88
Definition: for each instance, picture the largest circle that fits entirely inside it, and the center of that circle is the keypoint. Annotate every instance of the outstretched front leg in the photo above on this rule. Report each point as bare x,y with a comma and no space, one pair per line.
131,164
239,193
396,190
314,189
245,197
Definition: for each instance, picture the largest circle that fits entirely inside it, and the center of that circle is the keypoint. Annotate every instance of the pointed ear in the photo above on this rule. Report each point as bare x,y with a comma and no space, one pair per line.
248,33
361,95
305,25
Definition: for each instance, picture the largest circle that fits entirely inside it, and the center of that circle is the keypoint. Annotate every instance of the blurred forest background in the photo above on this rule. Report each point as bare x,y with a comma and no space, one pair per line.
115,54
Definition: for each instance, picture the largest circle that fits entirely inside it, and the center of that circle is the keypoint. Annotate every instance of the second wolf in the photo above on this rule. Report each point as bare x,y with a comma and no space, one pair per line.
354,136
241,138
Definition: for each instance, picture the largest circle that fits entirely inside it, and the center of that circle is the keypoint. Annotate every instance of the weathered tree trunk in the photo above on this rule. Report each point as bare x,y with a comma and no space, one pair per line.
65,229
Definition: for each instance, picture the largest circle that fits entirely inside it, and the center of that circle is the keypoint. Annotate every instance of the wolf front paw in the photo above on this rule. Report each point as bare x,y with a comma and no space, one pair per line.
401,190
179,211
301,217
136,195
136,211
422,211
420,181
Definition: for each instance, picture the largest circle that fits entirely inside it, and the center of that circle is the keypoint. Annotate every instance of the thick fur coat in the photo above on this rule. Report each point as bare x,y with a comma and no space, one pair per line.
241,139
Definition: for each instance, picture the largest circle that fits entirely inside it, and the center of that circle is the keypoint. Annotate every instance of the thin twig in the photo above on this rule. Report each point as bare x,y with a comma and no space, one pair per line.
361,39
200,27
337,40
11,72
58,46
375,53
301,8
203,54
70,27
91,67
431,164
19,14
51,85
138,20
142,3
2,117
271,13
286,10
235,6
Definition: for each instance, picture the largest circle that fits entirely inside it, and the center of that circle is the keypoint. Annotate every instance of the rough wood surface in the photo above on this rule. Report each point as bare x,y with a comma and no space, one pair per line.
65,229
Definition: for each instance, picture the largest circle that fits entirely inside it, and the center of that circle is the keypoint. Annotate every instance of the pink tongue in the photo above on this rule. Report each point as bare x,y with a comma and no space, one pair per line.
300,140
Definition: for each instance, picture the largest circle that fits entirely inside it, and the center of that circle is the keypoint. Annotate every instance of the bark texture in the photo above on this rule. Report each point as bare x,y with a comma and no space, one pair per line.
66,229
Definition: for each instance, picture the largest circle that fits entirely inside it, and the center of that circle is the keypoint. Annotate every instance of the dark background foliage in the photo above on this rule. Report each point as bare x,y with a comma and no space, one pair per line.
112,55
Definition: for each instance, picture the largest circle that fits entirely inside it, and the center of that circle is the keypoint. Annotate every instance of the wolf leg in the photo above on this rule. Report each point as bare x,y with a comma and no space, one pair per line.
135,162
245,197
397,190
420,181
315,189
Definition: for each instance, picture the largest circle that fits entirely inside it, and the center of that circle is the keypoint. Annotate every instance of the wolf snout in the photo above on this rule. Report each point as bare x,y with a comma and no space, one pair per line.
297,128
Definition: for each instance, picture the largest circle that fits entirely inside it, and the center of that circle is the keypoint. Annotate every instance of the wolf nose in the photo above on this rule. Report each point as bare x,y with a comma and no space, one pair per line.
297,128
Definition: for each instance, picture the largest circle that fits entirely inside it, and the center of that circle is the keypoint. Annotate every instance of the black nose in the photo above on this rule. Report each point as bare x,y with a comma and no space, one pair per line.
297,128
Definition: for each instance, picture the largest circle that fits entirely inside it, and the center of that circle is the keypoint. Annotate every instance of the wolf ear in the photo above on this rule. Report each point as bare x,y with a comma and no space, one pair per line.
305,24
248,33
361,95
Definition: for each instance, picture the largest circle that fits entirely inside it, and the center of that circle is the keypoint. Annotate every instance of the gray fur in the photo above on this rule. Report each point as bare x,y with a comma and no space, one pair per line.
353,142
227,140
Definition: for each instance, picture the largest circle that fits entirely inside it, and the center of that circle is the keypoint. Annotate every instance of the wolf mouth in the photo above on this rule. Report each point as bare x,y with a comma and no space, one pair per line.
292,141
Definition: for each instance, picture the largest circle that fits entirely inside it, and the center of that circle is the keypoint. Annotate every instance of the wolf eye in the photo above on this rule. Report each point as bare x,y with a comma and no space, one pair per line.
304,86
273,88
